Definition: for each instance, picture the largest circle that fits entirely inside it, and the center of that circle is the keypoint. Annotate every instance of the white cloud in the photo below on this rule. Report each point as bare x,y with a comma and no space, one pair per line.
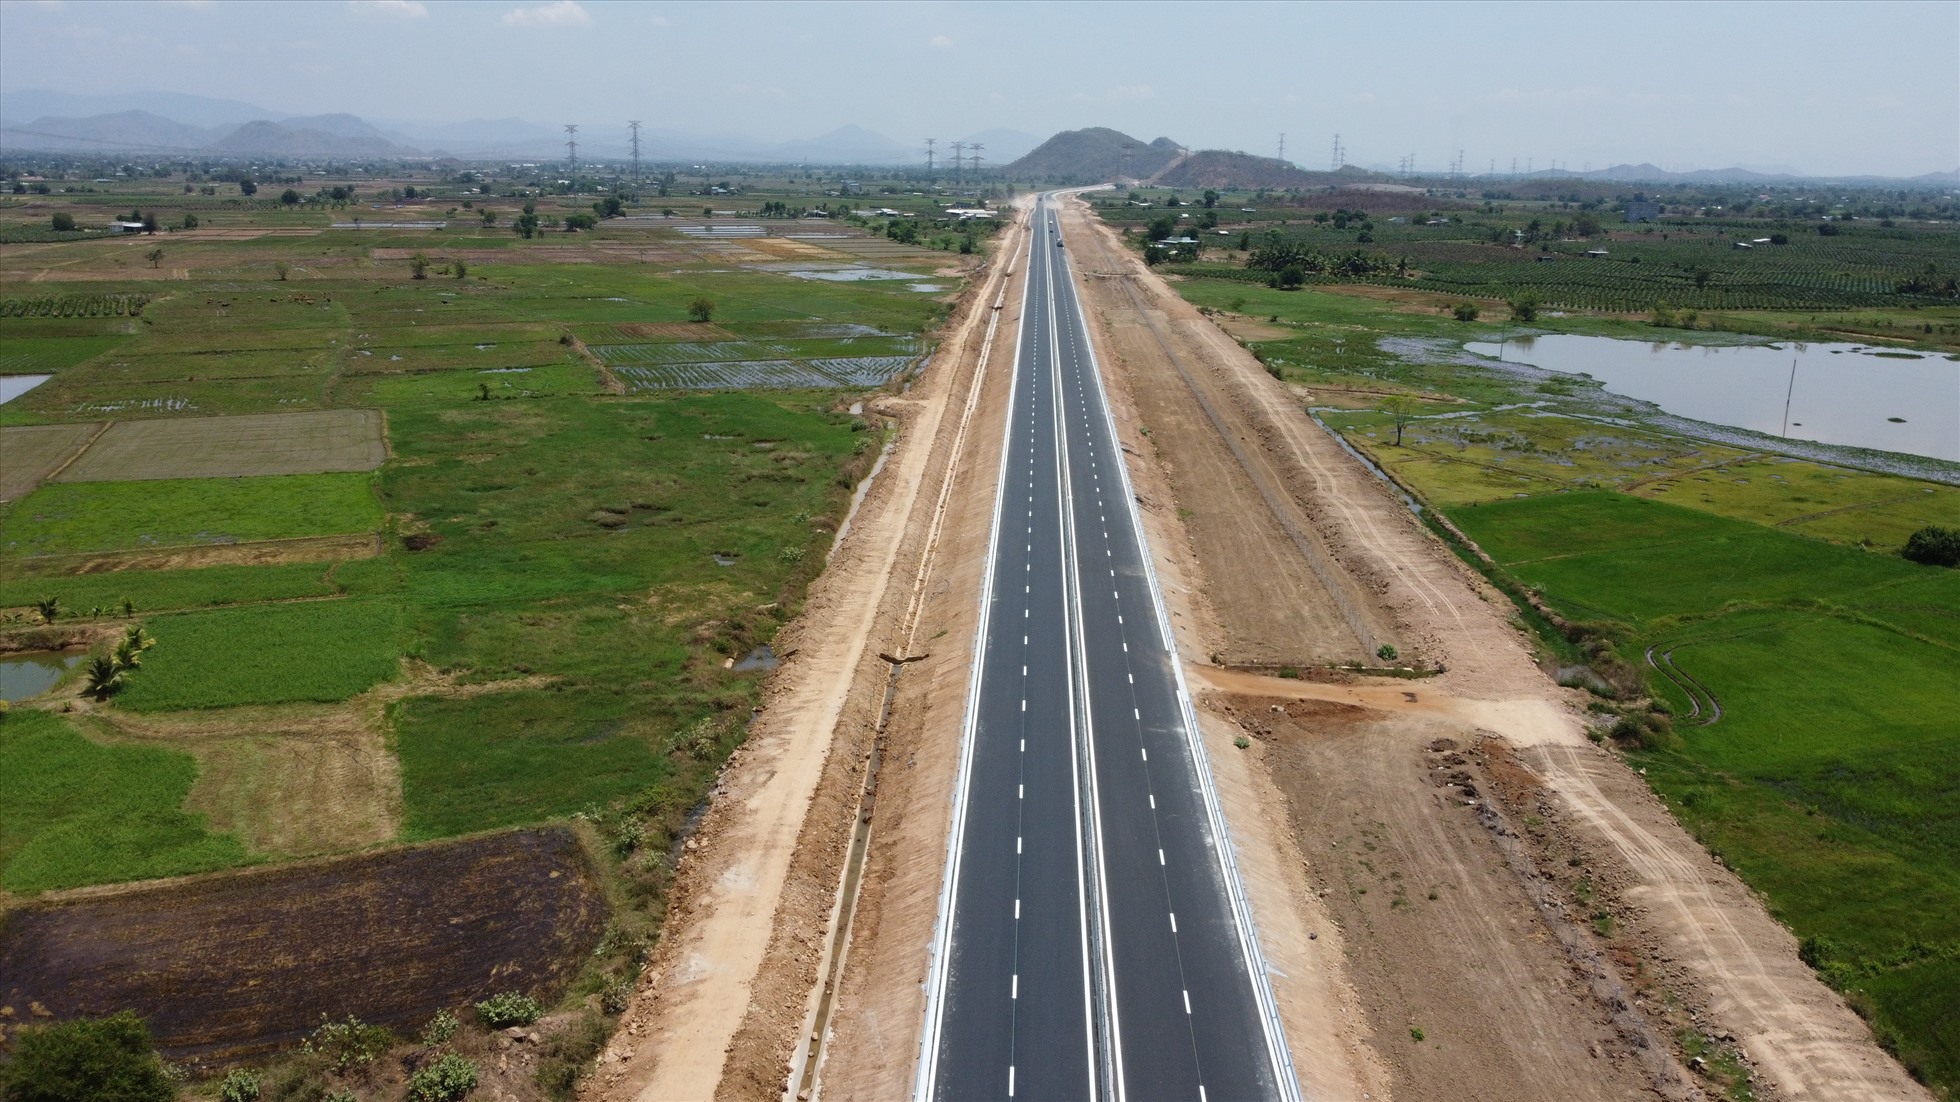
399,9
660,21
558,13
1125,93
939,41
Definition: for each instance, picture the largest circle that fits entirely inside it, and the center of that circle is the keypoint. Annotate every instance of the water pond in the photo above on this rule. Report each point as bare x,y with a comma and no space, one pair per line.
34,672
13,386
1851,394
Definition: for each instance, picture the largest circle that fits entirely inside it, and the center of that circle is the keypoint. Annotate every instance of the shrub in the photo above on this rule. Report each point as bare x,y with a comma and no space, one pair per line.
1934,546
701,309
1387,652
64,223
239,1086
440,1028
1465,311
509,1008
348,1044
448,1079
98,1060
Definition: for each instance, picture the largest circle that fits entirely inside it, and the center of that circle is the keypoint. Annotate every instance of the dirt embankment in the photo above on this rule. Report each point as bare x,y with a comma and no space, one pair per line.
729,991
1578,943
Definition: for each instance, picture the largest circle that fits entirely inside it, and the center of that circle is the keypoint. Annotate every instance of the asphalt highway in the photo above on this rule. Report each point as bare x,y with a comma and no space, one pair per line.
1093,940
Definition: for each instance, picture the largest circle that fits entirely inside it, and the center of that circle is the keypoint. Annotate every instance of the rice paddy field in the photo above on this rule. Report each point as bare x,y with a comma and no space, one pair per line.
420,558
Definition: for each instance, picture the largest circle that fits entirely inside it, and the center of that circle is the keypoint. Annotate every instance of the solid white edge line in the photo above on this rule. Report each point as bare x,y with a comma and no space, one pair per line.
1255,961
929,1032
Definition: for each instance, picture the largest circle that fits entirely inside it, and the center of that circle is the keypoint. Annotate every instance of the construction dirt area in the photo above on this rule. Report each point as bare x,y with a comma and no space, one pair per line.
1459,895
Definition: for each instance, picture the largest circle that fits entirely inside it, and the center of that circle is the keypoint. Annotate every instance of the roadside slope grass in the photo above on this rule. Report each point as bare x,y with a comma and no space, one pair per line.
79,517
1829,783
81,813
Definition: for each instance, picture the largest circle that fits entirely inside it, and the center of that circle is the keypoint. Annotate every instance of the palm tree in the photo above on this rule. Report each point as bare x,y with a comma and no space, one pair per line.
105,677
49,607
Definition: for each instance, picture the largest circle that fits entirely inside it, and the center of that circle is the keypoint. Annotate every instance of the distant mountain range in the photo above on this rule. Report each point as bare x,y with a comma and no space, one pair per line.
177,123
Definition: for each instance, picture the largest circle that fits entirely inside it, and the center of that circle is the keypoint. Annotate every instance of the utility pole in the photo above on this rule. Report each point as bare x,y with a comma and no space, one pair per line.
571,152
930,142
959,148
634,126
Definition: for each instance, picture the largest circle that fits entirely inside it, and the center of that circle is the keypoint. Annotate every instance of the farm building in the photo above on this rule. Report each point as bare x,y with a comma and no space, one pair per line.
1638,211
125,227
1595,254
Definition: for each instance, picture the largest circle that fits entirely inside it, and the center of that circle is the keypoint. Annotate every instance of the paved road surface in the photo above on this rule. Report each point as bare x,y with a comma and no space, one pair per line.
1093,943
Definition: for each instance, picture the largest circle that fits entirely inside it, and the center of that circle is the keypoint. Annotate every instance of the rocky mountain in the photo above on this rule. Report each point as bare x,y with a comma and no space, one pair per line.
295,141
1092,155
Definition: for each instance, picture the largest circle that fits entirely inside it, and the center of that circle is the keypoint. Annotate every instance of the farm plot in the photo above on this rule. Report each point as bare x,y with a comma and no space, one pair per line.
32,451
1827,782
22,355
315,442
823,362
314,651
87,517
227,966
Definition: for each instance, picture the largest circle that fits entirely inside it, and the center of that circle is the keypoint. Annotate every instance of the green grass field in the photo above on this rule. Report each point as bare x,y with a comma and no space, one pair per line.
168,590
319,651
87,517
82,813
1829,782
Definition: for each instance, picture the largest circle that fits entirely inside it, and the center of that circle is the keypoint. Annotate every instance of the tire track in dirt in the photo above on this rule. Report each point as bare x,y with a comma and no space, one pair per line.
1797,1032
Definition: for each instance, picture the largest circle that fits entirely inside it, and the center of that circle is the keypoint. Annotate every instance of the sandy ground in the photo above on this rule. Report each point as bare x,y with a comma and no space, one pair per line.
728,990
1534,1001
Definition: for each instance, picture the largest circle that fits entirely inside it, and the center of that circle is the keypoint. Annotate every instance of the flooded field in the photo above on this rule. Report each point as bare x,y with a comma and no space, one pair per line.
1831,393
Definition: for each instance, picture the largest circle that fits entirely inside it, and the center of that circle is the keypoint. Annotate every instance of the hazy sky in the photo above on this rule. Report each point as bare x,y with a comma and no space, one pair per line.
1818,87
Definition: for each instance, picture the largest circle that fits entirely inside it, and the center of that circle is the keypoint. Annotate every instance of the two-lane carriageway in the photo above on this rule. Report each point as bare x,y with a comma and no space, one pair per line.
1094,940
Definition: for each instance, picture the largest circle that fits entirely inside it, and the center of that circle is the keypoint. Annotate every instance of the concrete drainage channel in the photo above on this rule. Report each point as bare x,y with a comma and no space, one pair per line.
847,898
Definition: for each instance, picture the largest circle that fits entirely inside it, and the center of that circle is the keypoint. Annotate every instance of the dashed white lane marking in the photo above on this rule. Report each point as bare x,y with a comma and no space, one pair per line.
1187,1002
1017,914
1145,751
1017,843
1160,857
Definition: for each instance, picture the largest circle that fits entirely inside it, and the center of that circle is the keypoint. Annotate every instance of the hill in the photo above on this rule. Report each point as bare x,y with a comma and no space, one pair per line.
1218,168
271,139
1092,155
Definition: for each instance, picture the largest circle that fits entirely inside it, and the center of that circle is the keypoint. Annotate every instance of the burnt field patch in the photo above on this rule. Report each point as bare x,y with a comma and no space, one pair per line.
237,964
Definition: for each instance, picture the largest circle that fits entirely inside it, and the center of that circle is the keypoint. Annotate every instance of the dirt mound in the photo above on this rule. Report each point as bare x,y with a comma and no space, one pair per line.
234,964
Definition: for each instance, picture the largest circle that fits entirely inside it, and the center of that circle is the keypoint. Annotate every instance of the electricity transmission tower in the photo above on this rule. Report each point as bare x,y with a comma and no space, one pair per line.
1340,155
930,142
1282,146
634,126
571,150
958,149
975,149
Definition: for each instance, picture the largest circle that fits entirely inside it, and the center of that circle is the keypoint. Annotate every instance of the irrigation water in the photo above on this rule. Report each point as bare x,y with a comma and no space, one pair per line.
1850,394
